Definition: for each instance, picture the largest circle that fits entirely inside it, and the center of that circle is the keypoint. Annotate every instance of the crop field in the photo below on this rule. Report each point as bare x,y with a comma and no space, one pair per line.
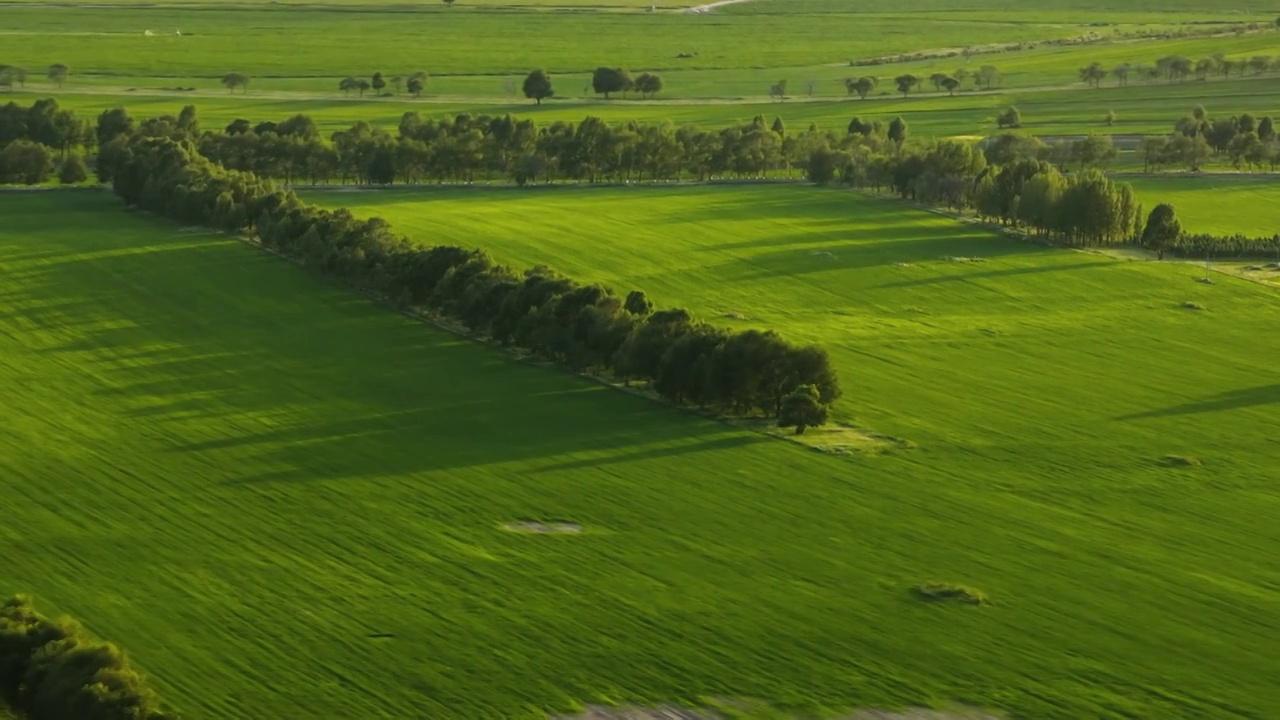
1220,204
288,500
1047,492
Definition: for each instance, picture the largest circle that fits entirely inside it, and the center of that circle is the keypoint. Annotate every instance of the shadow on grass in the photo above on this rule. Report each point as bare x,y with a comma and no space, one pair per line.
1232,400
226,353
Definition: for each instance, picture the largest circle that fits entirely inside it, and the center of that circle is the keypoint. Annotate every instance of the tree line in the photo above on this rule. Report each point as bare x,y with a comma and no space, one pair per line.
1244,140
1179,68
53,670
37,141
155,165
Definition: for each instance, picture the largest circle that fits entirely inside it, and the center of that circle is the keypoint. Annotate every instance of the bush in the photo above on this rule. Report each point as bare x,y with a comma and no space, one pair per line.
946,592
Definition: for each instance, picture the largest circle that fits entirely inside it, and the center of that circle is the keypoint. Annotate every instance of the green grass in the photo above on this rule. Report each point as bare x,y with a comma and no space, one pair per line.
1220,205
240,474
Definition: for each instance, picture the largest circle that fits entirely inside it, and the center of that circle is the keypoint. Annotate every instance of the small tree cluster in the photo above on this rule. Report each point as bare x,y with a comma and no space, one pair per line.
52,669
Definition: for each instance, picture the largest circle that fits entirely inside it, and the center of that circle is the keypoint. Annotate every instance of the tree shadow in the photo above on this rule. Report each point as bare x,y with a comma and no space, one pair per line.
1005,272
1231,400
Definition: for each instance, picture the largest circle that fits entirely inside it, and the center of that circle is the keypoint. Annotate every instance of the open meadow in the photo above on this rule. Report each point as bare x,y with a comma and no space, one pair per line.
1221,203
283,499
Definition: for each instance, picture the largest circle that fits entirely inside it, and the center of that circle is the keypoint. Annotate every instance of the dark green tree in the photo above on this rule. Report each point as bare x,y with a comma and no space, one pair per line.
906,82
234,80
58,73
417,83
1162,229
537,86
73,170
606,81
898,130
802,408
378,83
648,84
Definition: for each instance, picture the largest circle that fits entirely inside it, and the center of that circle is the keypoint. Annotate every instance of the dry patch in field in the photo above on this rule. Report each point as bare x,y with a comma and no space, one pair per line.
541,528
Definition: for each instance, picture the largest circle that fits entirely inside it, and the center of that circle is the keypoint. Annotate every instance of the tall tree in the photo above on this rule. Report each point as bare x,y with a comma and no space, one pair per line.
537,86
606,81
906,82
234,80
417,83
950,84
937,79
898,130
862,86
378,83
1162,229
988,76
58,73
649,84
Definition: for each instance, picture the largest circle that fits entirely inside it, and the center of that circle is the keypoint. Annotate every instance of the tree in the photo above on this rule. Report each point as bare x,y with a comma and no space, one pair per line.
862,86
1162,229
605,81
1093,74
649,84
449,2
378,83
1204,66
1121,73
73,170
906,82
937,79
1009,118
362,85
802,409
58,73
779,90
1266,129
236,80
898,130
346,85
988,76
637,303
416,83
25,162
1110,118
1260,64
778,127
950,84
537,86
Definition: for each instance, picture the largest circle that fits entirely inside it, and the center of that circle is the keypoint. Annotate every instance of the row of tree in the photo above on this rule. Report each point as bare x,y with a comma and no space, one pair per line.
1178,68
585,327
53,670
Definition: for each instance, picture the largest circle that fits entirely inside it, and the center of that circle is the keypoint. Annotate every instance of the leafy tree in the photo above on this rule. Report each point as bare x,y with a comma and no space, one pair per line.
637,303
378,83
649,84
1204,66
988,76
362,85
25,162
606,81
236,80
779,127
537,86
1162,229
416,83
449,2
802,409
822,165
58,73
1260,64
1093,74
1109,119
1266,129
906,82
859,127
112,124
862,86
898,130
937,79
347,84
950,84
239,126
1010,118
1121,73
73,170
779,90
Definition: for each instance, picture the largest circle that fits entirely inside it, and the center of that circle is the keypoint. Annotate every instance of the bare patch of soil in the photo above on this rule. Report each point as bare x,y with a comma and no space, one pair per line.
541,528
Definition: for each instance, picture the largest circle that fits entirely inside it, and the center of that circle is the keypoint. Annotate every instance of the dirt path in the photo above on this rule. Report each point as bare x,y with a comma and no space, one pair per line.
712,6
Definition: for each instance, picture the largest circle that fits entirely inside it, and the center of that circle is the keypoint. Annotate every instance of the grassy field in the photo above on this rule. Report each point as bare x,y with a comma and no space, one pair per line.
1221,204
244,476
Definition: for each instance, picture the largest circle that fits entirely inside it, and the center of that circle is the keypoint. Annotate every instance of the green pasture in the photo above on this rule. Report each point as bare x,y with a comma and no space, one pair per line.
1217,204
285,501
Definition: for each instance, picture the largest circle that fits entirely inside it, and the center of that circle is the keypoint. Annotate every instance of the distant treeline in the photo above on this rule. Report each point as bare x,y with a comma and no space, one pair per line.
155,165
1054,190
53,670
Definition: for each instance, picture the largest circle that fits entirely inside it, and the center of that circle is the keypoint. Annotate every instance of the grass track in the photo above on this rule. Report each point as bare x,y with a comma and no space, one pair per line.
240,474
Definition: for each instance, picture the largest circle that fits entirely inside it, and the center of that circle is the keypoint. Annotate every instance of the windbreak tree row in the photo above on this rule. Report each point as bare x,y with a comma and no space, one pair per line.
583,327
53,670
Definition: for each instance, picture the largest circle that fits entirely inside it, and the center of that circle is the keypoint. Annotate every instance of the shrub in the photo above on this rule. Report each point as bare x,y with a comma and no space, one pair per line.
947,592
73,170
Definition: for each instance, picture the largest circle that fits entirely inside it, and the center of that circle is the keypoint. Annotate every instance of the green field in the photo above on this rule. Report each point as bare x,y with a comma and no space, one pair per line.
296,56
241,474
1221,204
